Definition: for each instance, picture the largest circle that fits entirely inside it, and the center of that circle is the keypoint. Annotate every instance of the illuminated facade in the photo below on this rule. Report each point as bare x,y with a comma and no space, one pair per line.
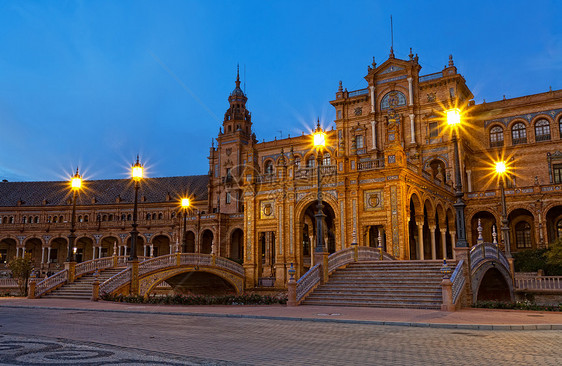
387,175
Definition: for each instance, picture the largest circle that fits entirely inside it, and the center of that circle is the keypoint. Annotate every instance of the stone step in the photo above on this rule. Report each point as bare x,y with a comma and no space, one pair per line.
382,304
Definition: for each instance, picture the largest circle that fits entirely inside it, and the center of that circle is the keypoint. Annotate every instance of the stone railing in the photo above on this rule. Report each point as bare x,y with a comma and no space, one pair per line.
372,254
341,258
486,251
50,283
526,282
370,164
116,281
92,265
458,279
356,93
229,265
194,259
428,77
157,263
306,283
8,283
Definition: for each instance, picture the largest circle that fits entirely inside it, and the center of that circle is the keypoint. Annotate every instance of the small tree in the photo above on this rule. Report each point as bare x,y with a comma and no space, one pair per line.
21,270
554,253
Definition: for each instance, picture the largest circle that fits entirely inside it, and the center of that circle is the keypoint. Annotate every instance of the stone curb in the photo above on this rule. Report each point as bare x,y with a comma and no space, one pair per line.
321,320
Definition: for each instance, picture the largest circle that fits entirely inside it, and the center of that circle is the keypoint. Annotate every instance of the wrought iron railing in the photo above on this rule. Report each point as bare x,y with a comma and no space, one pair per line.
50,283
458,279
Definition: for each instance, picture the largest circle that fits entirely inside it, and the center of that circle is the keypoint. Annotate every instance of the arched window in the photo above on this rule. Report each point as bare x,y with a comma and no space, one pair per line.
326,159
110,218
310,162
86,218
80,219
104,218
24,220
129,217
55,219
173,214
559,228
148,216
154,216
123,217
160,216
268,167
11,219
560,126
496,136
523,235
36,219
542,130
519,133
297,162
393,99
61,219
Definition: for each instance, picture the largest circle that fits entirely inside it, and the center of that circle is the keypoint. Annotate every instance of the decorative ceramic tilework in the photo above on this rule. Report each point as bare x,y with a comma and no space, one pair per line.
506,121
342,222
267,209
291,238
373,200
280,230
354,206
394,213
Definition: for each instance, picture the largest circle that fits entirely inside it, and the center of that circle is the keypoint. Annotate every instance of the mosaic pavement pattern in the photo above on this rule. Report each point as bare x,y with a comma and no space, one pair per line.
24,350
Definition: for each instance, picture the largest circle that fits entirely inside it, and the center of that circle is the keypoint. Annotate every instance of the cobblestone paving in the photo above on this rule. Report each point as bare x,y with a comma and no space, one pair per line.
279,342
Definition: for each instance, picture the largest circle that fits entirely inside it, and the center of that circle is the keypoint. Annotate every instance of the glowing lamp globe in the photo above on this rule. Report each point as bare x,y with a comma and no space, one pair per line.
501,168
76,182
319,139
453,116
137,171
185,203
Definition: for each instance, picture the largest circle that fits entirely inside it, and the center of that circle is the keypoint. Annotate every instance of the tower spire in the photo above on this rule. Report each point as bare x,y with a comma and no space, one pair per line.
238,75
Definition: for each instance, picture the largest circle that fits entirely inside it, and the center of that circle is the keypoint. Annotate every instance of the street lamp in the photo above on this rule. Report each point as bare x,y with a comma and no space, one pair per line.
319,140
137,170
185,204
454,120
75,185
501,171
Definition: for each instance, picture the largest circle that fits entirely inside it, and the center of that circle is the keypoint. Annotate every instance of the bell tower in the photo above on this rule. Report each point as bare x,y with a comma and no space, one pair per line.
227,160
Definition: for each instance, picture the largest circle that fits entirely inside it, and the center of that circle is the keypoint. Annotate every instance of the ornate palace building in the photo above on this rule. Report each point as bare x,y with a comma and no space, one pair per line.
387,176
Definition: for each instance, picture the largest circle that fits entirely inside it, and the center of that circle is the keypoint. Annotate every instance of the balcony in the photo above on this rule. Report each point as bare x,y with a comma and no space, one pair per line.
545,137
370,164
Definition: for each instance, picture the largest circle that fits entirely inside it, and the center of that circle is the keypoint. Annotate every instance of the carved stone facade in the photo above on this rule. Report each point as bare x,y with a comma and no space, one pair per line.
387,176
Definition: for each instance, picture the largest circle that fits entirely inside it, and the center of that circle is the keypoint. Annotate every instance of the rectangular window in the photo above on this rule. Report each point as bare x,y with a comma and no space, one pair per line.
339,114
557,173
360,142
433,130
228,198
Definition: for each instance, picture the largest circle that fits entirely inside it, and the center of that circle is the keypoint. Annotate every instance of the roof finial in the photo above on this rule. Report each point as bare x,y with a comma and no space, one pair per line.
137,161
451,61
237,75
340,89
411,55
374,63
391,55
391,39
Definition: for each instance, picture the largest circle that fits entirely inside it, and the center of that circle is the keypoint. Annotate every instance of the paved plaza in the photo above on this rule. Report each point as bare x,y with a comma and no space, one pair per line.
57,336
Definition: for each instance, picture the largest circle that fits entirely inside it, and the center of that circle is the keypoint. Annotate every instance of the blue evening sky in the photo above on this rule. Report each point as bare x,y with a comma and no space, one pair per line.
93,83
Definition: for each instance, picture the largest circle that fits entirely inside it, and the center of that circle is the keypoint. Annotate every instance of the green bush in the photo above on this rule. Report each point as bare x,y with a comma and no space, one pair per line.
21,270
245,299
549,260
525,305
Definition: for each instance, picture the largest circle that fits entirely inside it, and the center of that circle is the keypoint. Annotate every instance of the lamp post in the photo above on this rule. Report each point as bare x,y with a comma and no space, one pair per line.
319,137
75,184
453,120
501,170
137,170
185,203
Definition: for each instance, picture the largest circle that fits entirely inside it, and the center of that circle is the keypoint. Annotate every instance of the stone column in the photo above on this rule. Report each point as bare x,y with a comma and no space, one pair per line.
151,250
411,91
420,239
99,251
444,242
144,250
93,252
42,255
48,254
433,245
453,242
412,129
372,88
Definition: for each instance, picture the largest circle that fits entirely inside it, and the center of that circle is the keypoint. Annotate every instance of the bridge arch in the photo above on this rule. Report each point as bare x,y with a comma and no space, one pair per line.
492,281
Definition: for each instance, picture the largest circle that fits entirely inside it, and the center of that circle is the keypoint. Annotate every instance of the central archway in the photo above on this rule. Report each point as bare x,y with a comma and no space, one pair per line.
307,232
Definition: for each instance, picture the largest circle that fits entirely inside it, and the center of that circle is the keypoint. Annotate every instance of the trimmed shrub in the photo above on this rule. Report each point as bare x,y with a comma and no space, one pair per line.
245,299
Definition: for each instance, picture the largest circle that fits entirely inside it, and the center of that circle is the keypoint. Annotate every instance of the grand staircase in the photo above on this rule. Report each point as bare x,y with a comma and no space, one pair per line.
82,287
393,284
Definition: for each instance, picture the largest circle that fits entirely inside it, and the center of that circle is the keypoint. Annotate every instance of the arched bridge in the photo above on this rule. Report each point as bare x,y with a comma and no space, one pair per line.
152,272
490,273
